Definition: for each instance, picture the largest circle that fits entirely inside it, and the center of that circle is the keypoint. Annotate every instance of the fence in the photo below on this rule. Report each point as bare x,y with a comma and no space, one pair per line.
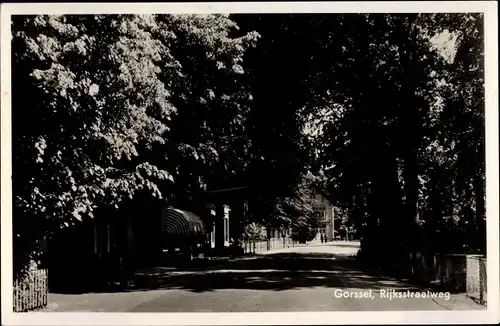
453,272
31,292
254,247
476,278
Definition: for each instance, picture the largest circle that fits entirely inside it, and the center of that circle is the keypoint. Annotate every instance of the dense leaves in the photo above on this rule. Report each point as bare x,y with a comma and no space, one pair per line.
254,232
105,107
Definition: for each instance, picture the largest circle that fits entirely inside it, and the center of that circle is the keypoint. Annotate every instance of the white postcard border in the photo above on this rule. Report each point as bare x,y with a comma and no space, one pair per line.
356,317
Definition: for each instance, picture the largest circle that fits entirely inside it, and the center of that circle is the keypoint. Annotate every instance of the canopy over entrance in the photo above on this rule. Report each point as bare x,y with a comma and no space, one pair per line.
180,222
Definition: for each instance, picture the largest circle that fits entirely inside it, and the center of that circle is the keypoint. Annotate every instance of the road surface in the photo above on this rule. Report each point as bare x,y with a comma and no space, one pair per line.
311,278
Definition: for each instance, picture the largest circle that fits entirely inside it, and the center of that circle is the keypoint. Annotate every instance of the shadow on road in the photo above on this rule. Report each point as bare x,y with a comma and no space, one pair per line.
273,272
344,245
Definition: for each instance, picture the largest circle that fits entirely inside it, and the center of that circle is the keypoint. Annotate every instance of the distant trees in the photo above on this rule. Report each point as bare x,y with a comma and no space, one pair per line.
295,213
298,211
344,224
255,232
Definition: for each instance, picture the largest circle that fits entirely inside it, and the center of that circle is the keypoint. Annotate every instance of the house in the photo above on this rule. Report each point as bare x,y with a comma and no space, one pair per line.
220,228
323,206
228,211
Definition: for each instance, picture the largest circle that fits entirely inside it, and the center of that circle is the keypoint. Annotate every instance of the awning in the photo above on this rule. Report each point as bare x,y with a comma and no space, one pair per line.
180,222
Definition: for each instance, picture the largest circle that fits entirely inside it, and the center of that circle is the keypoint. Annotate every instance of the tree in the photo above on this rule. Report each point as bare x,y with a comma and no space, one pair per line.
298,212
77,134
207,142
379,113
278,67
255,232
101,124
456,158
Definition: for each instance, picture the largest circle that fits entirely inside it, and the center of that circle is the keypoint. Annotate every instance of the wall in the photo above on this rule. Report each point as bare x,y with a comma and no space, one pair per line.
221,228
327,208
227,235
212,233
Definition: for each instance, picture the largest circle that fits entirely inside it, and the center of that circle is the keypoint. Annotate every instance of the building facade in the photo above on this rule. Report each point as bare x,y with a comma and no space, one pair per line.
323,206
222,230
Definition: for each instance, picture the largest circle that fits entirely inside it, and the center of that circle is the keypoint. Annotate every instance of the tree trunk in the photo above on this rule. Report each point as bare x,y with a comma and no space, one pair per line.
409,132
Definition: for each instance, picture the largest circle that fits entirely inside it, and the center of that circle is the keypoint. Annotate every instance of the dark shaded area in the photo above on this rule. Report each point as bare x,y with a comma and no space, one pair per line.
274,272
89,255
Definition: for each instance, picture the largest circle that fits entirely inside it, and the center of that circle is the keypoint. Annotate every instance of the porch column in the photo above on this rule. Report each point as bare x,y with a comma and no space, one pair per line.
219,226
236,220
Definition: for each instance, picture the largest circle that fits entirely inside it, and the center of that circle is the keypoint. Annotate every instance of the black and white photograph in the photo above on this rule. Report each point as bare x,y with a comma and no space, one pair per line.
248,158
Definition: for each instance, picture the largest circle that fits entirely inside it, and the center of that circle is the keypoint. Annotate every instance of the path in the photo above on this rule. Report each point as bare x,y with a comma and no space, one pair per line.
294,279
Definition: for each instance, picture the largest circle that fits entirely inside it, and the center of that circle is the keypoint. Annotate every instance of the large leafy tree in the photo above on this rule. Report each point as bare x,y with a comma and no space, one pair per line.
207,141
84,104
109,106
384,117
455,204
394,114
